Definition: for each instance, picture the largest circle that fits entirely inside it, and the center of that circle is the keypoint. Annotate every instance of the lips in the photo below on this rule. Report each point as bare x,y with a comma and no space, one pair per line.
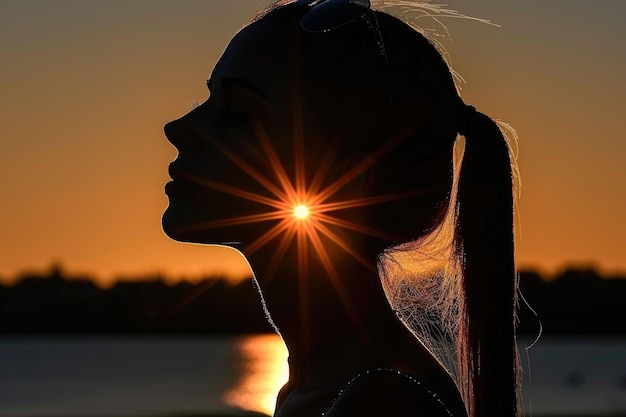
175,172
182,182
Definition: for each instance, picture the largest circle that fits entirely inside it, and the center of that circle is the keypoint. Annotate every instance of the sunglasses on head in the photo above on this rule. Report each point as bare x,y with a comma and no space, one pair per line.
328,15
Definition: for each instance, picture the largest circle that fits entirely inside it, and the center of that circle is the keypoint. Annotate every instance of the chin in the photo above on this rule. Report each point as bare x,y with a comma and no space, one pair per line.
173,228
180,227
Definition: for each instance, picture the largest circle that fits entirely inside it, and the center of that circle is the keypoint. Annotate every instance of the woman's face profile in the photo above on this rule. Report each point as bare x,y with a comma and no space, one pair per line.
236,151
259,147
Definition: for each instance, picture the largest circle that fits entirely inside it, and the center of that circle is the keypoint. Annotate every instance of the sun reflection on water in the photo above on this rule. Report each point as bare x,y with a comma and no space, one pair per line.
263,370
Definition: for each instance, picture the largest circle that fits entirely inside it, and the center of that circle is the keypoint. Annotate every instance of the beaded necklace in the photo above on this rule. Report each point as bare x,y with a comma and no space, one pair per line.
394,372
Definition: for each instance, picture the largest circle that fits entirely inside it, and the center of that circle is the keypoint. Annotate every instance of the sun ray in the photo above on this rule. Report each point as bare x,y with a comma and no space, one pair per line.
250,171
298,145
267,236
274,160
233,221
343,245
279,254
277,204
355,227
346,178
303,292
360,202
323,168
321,252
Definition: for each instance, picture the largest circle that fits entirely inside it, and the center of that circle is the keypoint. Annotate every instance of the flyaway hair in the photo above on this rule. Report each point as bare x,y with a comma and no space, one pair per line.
426,19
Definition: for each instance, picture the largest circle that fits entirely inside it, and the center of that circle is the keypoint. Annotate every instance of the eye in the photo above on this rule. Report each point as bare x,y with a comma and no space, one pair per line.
235,99
230,112
224,107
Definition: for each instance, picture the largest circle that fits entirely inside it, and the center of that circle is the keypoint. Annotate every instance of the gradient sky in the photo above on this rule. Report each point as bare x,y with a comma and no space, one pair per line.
87,86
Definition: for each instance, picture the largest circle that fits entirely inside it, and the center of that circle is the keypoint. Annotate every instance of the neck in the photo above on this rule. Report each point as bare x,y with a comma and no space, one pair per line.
332,325
335,351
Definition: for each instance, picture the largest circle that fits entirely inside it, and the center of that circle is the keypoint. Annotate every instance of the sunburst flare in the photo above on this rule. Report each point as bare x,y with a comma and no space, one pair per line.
301,212
301,208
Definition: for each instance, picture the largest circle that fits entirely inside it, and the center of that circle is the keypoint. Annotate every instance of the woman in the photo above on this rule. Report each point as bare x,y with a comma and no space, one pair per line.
325,149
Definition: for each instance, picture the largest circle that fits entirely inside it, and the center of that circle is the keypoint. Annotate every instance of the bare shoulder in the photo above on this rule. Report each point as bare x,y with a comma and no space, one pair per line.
388,393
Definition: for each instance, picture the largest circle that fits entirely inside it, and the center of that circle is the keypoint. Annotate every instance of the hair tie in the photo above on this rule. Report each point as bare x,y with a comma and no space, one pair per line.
467,116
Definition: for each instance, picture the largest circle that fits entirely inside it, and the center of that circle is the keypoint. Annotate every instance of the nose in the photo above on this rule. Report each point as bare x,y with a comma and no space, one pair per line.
179,135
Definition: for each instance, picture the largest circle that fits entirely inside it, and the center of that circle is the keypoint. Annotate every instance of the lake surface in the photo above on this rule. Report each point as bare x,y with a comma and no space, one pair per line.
117,376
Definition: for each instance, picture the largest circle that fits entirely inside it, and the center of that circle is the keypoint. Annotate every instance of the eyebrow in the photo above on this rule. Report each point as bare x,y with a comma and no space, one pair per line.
228,83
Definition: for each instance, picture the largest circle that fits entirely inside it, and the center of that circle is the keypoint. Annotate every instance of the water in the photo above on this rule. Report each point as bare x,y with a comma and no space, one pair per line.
46,376
570,376
116,376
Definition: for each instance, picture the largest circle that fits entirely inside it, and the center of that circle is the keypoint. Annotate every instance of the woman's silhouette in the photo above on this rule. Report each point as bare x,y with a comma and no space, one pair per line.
324,151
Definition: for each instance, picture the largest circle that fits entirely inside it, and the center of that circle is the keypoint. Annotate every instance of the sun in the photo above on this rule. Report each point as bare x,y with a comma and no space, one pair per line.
301,212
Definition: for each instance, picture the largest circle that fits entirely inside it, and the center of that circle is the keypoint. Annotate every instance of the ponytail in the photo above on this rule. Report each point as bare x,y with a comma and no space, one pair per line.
487,350
455,287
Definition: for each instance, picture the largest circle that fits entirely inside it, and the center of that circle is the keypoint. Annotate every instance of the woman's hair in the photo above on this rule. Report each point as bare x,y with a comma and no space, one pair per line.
455,287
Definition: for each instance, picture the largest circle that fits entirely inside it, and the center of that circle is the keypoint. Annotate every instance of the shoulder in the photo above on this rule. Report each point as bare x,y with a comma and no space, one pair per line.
388,393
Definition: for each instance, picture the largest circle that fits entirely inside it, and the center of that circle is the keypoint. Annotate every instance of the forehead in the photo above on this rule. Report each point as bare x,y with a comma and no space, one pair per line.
259,53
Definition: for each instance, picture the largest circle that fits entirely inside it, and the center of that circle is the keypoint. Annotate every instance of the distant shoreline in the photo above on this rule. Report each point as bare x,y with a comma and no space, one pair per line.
577,302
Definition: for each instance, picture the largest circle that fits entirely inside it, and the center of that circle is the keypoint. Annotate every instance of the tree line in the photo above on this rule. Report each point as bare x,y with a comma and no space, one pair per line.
577,302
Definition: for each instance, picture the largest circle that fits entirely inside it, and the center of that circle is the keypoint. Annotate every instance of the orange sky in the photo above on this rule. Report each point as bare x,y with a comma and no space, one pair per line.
87,86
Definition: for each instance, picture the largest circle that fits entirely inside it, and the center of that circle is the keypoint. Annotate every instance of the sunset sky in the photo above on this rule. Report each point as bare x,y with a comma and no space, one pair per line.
86,88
